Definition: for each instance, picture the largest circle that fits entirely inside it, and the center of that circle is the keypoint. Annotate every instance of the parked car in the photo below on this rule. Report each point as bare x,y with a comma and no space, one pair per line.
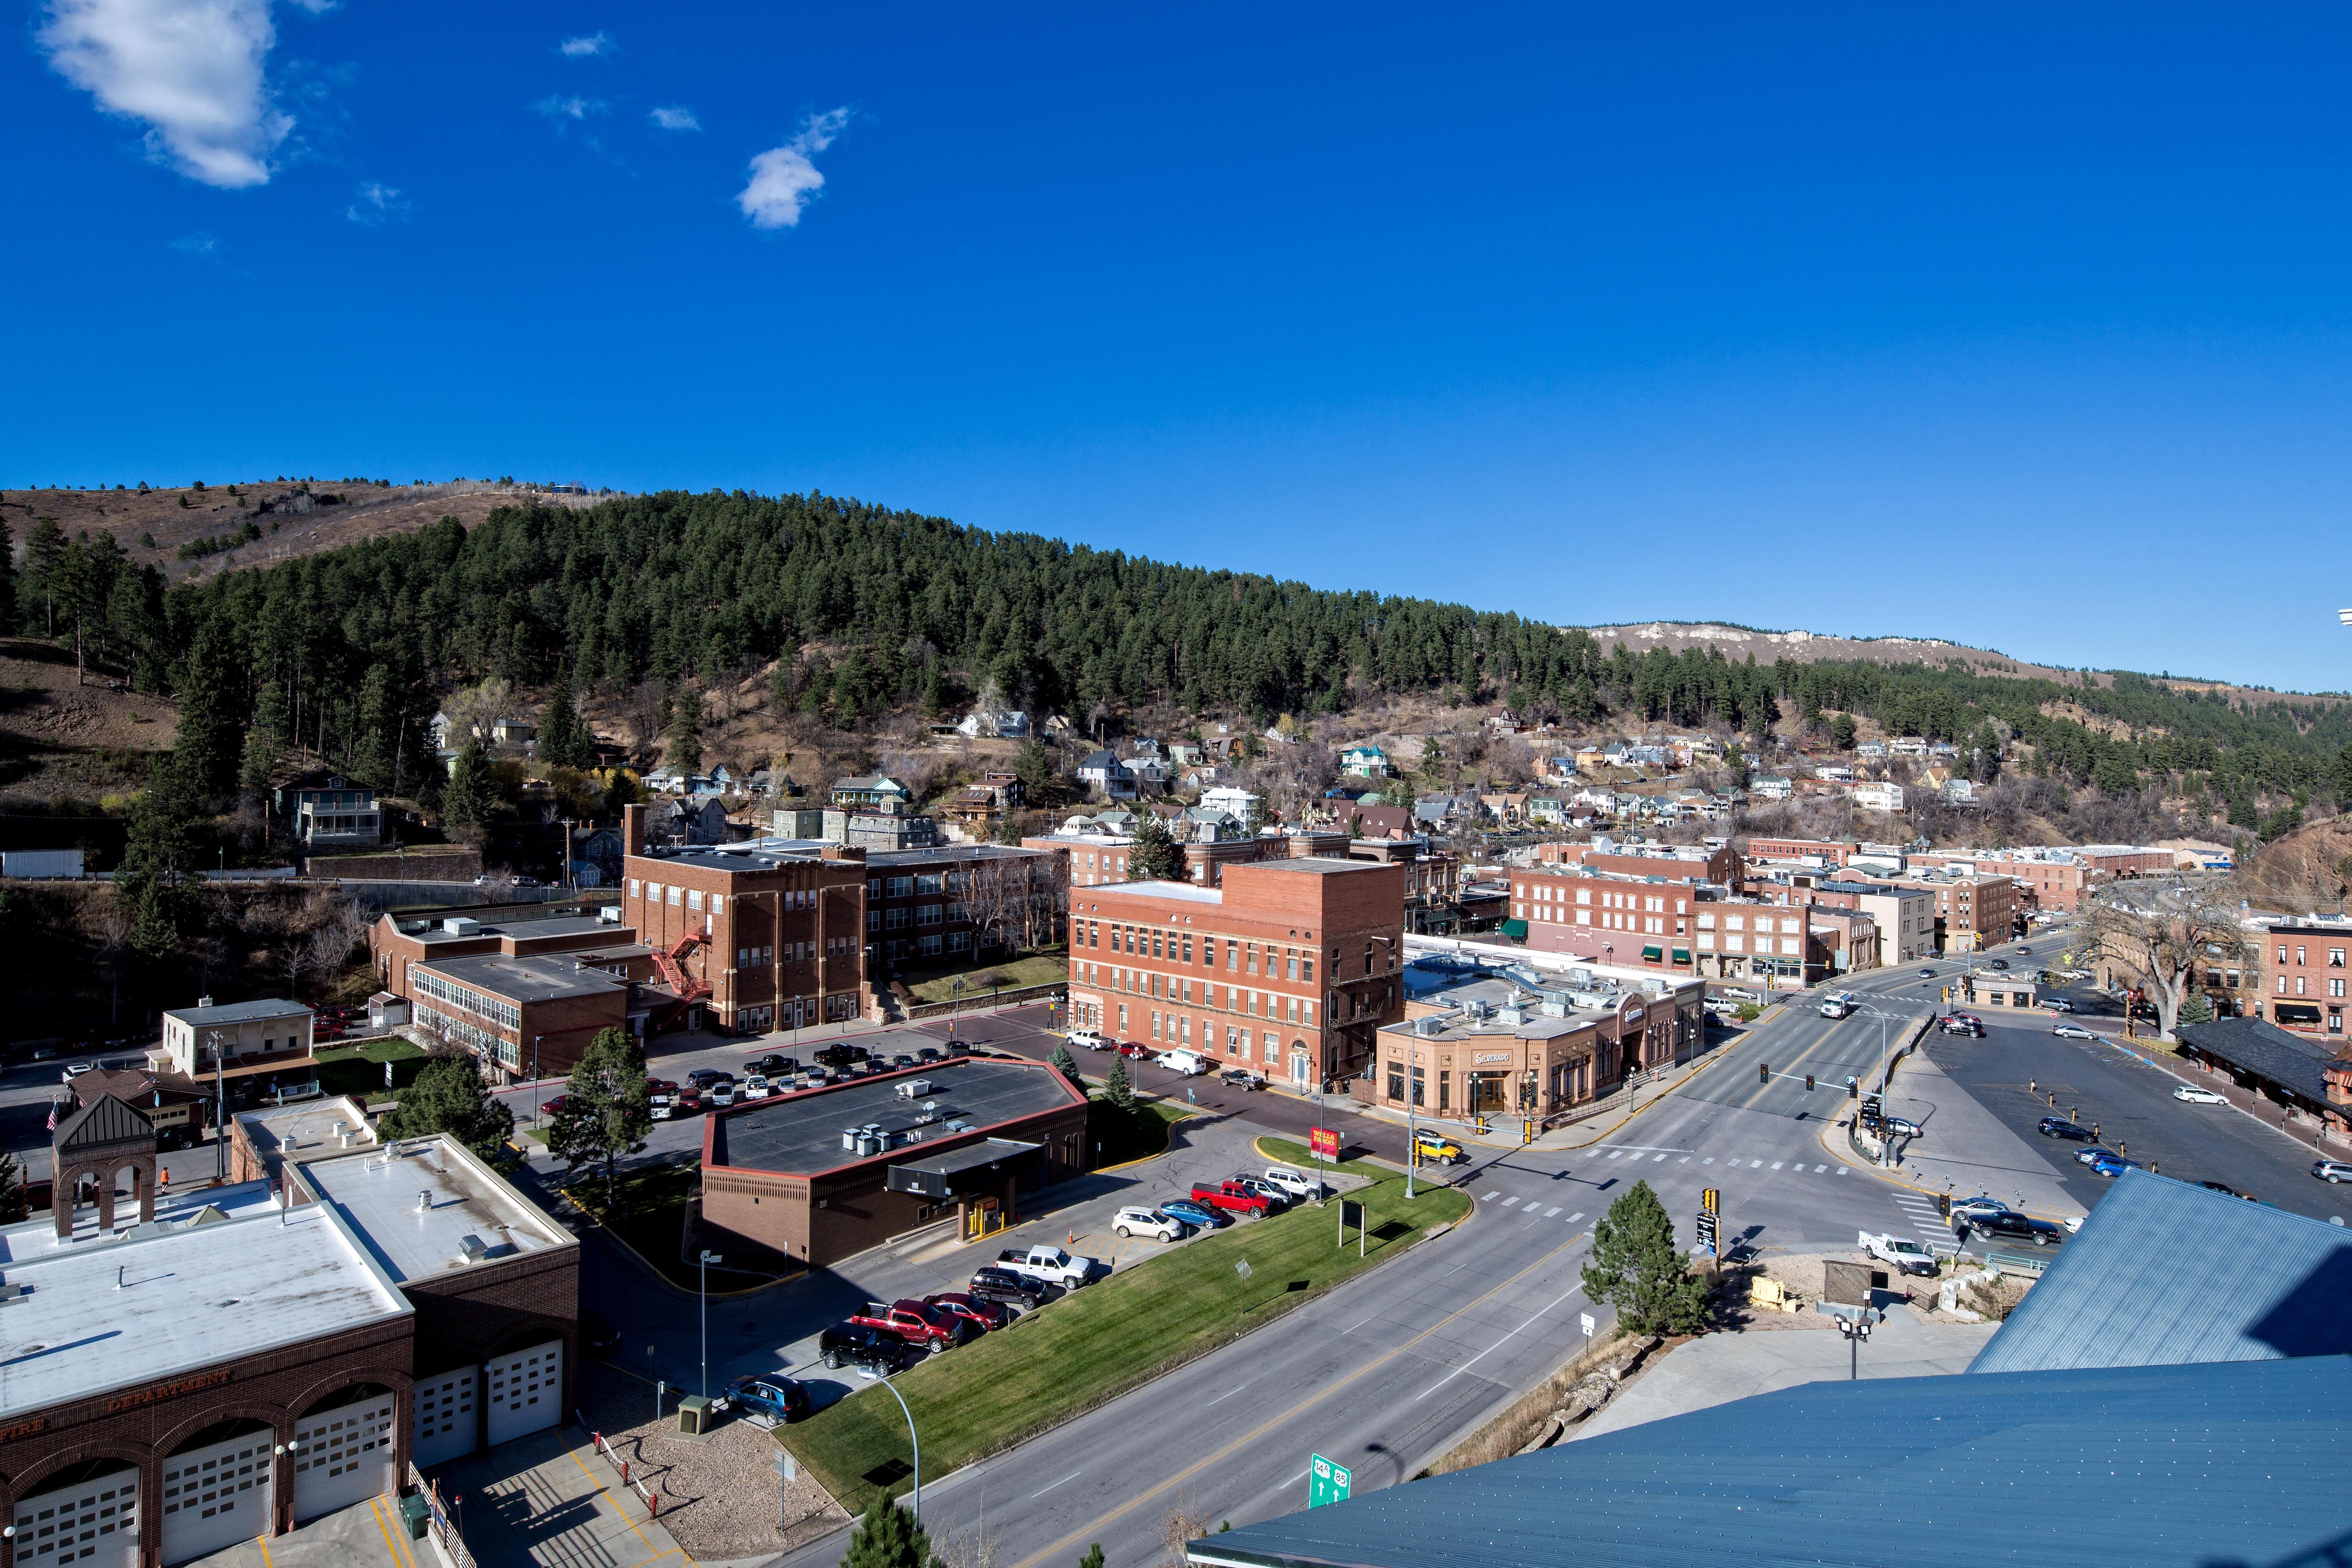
1438,1146
774,1064
688,1102
1184,1063
1277,1198
2113,1166
930,1054
1198,1216
1904,1127
720,1095
1005,1286
2096,1153
2222,1187
1135,1052
1241,1078
1979,1207
984,1315
2059,1127
2057,1005
915,1323
2191,1094
1050,1264
2331,1171
904,1059
1969,1027
554,1107
779,1399
1297,1184
1232,1196
1903,1253
703,1077
1135,1219
2019,1228
874,1352
1089,1040
2073,1031
662,1107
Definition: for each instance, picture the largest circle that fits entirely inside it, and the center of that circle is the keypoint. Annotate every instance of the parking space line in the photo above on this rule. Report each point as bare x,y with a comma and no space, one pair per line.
1511,1202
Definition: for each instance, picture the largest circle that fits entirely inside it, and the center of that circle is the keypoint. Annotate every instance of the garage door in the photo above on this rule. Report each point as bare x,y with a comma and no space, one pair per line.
526,1391
446,1425
216,1496
345,1457
95,1523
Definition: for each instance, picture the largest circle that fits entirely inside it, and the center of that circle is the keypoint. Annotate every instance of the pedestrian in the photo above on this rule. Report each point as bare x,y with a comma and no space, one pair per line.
2033,1087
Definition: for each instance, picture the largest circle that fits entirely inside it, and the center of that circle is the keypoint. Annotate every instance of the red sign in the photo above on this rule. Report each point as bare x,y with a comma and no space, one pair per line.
1324,1141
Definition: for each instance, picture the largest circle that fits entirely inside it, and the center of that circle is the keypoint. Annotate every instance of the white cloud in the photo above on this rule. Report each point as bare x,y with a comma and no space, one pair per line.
318,7
376,205
190,68
580,49
568,108
782,178
674,117
199,245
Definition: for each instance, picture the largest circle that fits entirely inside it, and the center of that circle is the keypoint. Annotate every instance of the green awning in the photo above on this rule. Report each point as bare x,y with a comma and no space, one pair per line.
1682,954
1516,929
1652,954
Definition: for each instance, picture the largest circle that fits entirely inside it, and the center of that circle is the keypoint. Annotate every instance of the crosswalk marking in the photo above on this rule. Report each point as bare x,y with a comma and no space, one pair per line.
1509,1201
1660,1160
1818,1169
1683,1161
1755,1165
1708,1161
1492,1196
1841,1170
1577,1215
1776,1165
1552,1210
1616,1153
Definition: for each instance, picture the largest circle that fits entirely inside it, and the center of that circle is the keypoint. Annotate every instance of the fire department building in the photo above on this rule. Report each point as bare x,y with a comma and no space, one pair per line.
211,1367
1288,967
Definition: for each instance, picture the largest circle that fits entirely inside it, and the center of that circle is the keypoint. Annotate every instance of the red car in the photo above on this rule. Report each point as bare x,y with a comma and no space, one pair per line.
984,1315
1136,1052
1232,1195
554,1107
916,1323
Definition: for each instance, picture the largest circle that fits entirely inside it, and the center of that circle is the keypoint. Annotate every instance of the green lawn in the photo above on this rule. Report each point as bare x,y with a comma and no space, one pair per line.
1046,968
358,1069
391,1048
1083,1351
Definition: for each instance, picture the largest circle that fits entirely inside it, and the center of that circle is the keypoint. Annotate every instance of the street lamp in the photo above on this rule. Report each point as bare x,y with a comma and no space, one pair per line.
1886,1144
1855,1330
708,1259
913,1441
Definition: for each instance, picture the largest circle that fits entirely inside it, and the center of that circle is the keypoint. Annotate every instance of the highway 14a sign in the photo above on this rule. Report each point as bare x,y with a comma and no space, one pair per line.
1327,1482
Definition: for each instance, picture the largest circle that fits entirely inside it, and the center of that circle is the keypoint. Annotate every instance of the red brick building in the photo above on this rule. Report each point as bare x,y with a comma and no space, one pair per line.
763,935
1638,923
1289,968
1821,849
2308,975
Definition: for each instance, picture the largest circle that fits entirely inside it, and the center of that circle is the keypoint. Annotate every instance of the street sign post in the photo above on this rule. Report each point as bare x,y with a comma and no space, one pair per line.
1354,1213
1243,1268
1327,1482
1586,1320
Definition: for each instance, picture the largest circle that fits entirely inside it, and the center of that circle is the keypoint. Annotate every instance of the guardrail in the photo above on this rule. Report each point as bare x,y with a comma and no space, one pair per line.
652,1498
438,1520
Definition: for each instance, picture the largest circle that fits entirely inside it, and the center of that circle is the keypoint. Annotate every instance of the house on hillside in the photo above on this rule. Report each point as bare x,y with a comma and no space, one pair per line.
872,792
1365,762
1102,773
1010,723
1770,787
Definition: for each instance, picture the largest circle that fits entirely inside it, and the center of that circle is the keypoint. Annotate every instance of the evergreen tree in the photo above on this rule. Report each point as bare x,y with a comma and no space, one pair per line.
1064,1063
448,1097
1094,1557
607,1110
13,1205
211,740
1152,854
2197,1009
470,797
887,1537
1034,769
154,884
1842,732
1636,1268
45,548
564,740
684,754
8,577
1117,1088
1008,829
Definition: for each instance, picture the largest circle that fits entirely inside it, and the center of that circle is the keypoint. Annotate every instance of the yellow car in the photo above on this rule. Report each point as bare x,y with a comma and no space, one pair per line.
1438,1146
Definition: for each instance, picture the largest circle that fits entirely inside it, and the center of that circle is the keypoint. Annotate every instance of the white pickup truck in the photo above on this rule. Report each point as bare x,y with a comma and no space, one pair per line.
1050,1264
1905,1254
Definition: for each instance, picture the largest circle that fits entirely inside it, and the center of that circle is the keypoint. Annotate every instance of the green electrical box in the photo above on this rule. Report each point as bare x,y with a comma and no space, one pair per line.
413,1512
694,1416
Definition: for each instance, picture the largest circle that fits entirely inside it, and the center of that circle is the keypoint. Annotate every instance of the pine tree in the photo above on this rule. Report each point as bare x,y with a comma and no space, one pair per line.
1035,771
472,795
45,547
2197,1009
153,886
1636,1268
1117,1088
8,577
684,754
1094,1557
1008,829
447,1097
607,1110
887,1537
563,739
1064,1063
1152,854
211,740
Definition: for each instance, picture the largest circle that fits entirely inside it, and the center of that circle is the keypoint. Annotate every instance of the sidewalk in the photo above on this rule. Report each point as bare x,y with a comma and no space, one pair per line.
1964,1149
550,1501
1589,1129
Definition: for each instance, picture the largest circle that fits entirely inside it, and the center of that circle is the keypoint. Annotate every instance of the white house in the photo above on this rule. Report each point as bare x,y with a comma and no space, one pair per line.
1244,807
1834,773
1871,750
1107,773
1907,745
1365,762
1770,787
1009,725
1878,797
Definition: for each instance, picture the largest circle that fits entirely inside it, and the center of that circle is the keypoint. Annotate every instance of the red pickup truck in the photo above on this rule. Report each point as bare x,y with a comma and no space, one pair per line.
914,1322
1231,1195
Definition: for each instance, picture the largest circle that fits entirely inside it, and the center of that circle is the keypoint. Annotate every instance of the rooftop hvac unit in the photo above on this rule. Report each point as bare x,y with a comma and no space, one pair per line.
472,1248
609,913
849,1139
461,926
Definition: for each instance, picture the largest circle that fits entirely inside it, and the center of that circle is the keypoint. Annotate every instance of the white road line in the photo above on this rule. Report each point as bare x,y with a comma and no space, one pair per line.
1352,1328
1552,1210
1708,1161
1776,1165
1492,1196
1616,1153
1293,1481
1577,1215
1237,1387
1511,1202
1841,1170
1493,1347
1683,1161
1074,1475
1818,1169
1755,1165
1659,1161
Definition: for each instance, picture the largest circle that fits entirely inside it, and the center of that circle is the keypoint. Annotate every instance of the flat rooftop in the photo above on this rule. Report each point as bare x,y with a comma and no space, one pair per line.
170,1297
537,977
752,854
949,853
307,1129
800,1134
413,1203
521,930
1324,865
1183,892
236,1012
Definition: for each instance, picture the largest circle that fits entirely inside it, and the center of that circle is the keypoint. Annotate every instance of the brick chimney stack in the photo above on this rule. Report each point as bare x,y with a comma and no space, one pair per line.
633,830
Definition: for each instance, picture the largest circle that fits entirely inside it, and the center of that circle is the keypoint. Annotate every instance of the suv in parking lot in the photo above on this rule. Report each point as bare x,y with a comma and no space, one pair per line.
1004,1286
2332,1170
872,1351
1135,1219
1956,1024
2059,1127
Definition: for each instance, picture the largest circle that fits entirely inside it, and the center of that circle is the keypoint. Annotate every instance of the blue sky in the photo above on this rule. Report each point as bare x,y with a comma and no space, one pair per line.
2023,329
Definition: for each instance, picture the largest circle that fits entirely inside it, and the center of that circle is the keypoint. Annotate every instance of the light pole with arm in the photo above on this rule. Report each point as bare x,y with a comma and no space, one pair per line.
913,1441
708,1259
1886,1144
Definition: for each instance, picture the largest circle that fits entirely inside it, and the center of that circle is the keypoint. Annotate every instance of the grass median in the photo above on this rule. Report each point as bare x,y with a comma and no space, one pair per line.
1100,1342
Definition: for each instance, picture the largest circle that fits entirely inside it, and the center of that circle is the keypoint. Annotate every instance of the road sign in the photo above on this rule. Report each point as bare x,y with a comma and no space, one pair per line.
1324,1141
1243,1268
1711,1200
1327,1482
1586,1318
1706,1228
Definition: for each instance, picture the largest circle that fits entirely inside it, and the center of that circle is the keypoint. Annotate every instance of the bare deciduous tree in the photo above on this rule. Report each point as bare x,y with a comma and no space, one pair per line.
2161,945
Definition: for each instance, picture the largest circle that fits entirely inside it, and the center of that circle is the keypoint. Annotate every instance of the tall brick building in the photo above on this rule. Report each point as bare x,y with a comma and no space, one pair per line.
2308,975
1289,968
764,936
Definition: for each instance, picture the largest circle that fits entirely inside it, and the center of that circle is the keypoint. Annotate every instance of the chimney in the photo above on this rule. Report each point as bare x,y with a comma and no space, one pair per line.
633,830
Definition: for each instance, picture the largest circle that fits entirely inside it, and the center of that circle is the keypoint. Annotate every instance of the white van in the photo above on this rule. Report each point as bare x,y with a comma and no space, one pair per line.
1186,1063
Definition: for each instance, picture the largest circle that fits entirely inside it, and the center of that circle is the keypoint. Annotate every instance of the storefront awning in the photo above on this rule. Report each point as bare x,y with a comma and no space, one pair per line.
2295,1012
1516,929
1652,954
1682,954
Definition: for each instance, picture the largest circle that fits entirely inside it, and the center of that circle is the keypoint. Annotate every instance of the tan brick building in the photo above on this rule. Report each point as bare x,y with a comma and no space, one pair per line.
1289,968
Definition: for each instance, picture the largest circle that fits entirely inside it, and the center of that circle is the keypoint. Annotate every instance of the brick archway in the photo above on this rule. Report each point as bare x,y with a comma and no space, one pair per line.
97,1142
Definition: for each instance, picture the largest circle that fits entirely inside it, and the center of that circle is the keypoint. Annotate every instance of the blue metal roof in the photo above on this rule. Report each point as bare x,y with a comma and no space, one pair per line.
2166,1273
2235,1462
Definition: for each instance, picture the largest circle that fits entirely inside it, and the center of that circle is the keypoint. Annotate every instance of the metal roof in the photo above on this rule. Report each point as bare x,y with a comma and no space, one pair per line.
2166,1273
2265,1050
2133,1467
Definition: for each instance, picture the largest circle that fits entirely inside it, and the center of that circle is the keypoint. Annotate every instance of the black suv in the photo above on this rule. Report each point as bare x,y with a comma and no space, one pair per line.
2018,1226
1005,1285
2059,1127
864,1346
704,1077
773,1063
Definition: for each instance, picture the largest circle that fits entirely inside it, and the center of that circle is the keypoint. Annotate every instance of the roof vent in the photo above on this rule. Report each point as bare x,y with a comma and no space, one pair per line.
423,1203
472,1248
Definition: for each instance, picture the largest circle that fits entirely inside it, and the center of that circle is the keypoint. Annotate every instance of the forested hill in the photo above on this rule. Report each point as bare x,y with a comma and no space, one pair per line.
869,607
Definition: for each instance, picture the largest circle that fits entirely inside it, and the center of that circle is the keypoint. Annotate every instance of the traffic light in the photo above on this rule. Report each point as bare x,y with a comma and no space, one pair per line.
1852,1090
1711,1200
1809,1084
1944,1206
1763,1072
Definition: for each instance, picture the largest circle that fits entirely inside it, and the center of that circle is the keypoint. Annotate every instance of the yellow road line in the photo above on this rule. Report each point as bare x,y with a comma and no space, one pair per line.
590,1476
390,1549
263,1542
1069,1542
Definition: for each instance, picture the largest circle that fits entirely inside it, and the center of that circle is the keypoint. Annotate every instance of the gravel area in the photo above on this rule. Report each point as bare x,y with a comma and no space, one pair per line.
719,1494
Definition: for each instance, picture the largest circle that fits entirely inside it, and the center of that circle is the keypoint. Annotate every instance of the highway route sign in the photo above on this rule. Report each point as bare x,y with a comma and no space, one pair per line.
1327,1482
